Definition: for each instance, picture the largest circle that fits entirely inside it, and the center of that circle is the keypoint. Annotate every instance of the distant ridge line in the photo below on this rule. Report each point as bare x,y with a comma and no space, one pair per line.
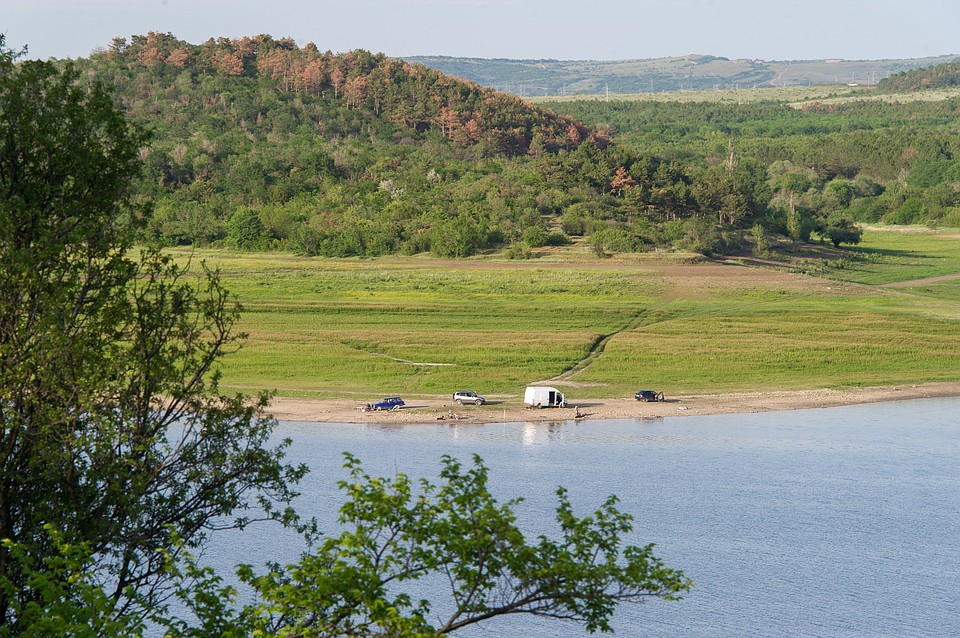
550,77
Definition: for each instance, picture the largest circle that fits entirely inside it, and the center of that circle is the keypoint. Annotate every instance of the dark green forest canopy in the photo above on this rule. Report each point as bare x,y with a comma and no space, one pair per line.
415,98
318,143
938,76
262,144
867,159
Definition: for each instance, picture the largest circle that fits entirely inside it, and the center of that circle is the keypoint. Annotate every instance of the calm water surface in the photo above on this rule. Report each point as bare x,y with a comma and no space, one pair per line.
833,522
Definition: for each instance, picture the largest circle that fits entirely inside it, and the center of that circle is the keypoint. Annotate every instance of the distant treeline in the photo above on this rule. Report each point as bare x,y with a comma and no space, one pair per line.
261,144
863,160
933,77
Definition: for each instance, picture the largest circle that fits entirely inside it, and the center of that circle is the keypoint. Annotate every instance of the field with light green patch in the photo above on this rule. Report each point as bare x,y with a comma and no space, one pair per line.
930,95
795,96
902,253
420,327
788,95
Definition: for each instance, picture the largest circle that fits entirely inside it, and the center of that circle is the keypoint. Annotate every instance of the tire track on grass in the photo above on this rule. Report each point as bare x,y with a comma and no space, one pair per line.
646,317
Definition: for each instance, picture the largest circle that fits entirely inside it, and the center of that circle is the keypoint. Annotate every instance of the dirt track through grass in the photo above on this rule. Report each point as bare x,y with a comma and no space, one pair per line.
923,281
646,317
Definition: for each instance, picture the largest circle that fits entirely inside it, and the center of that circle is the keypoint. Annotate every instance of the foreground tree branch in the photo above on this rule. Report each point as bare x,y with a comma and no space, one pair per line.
453,532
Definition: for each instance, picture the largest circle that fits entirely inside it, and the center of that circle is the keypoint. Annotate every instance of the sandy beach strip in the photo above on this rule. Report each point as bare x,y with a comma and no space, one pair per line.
511,409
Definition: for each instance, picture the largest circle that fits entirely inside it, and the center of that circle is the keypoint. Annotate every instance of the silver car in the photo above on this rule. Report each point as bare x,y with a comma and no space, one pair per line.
464,396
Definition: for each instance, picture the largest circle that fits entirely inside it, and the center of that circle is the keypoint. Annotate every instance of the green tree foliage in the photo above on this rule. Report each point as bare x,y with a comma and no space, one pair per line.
869,160
934,77
67,599
452,537
245,230
842,231
455,536
113,432
761,240
359,155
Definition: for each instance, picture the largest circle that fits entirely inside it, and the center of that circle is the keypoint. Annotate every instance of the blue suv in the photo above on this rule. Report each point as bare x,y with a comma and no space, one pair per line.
389,403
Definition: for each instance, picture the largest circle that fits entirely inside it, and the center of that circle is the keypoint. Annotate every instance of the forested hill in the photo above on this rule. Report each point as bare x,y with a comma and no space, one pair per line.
934,77
264,145
410,96
259,143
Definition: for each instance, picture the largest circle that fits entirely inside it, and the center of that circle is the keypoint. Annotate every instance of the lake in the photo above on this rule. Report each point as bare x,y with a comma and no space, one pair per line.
832,522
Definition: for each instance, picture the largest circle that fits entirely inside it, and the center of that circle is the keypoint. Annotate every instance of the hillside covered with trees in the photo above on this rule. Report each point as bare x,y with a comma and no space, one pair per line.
862,160
930,77
258,143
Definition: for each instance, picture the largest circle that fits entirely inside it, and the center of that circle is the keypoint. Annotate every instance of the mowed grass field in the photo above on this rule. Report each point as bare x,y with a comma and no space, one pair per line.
789,94
795,96
419,326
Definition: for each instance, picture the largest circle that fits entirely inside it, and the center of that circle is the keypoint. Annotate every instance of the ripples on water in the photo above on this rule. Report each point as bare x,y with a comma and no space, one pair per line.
834,522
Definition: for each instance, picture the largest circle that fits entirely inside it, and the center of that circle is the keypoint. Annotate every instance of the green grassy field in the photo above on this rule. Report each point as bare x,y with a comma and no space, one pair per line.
902,253
789,95
324,328
795,96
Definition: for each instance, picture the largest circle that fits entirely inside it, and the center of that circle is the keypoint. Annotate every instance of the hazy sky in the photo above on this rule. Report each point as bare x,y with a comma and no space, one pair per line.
560,29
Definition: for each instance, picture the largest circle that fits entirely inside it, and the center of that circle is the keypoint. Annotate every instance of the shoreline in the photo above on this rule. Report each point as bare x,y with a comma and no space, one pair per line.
511,409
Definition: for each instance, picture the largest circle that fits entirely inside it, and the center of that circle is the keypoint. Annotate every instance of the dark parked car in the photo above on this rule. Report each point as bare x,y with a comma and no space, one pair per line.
388,403
465,396
648,396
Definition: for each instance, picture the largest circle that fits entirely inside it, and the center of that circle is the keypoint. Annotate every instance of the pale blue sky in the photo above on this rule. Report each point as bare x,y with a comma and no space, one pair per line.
560,29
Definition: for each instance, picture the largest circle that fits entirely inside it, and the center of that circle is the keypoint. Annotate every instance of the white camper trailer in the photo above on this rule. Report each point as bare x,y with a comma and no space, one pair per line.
541,396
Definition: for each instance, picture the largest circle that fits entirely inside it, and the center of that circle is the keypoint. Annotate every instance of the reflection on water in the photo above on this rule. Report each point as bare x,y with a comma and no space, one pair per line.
535,433
835,522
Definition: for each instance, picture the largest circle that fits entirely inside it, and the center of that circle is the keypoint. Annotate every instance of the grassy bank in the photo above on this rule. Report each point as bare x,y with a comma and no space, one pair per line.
322,328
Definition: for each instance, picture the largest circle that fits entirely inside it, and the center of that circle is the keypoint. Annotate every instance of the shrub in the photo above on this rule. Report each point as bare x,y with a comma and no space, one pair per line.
842,231
617,240
761,240
575,225
951,217
518,250
245,230
700,236
534,236
912,211
305,240
557,239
